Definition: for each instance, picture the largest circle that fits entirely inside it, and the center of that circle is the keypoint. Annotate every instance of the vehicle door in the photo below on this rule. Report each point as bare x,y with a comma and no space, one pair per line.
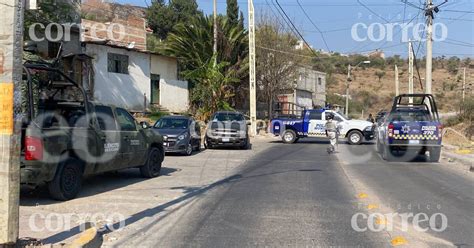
133,144
316,126
108,140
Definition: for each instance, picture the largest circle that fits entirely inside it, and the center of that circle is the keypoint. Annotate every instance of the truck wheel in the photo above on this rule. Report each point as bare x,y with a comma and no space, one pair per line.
246,145
435,154
354,137
68,180
152,166
289,137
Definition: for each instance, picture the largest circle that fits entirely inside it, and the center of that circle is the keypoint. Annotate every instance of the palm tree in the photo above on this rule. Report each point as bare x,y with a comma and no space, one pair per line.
192,44
214,88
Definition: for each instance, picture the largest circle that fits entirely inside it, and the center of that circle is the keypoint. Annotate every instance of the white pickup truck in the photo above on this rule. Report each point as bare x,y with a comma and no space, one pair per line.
312,124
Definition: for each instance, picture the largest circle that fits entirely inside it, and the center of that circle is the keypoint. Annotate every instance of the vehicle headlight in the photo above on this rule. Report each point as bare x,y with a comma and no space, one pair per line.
369,128
165,138
182,136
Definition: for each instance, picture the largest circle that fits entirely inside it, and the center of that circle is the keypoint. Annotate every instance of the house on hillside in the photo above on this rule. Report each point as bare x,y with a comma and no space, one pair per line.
125,73
309,90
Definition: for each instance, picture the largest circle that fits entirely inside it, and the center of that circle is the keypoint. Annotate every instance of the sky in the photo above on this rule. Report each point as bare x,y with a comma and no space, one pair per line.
333,21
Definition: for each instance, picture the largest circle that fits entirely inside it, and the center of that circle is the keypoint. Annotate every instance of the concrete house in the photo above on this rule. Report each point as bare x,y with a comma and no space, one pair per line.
125,73
308,91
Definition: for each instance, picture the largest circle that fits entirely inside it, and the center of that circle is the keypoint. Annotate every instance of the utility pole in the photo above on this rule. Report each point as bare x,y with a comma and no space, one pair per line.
410,70
429,45
252,77
397,82
215,30
464,85
349,79
11,40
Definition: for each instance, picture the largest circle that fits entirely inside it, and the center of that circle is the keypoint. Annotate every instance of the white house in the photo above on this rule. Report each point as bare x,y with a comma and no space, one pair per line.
136,79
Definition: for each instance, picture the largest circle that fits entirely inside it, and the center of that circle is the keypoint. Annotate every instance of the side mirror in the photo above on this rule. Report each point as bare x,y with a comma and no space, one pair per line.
145,124
248,123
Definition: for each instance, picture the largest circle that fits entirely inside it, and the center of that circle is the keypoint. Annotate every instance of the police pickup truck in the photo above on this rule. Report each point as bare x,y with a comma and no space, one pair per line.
411,128
312,124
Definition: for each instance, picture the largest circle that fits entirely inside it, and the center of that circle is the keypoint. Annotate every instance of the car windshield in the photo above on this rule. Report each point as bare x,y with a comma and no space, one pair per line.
169,123
228,117
343,116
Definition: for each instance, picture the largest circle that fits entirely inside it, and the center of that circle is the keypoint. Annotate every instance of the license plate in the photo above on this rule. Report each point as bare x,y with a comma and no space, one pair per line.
413,142
225,139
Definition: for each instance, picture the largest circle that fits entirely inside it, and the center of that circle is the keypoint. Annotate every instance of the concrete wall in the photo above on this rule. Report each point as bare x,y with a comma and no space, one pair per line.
124,90
314,82
164,66
319,95
174,95
304,99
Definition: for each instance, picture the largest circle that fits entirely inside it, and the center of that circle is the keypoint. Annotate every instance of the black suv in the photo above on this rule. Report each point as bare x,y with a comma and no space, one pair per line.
227,128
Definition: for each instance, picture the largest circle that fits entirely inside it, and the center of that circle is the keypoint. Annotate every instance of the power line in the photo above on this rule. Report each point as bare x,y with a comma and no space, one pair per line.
373,12
310,20
459,11
383,44
457,44
292,24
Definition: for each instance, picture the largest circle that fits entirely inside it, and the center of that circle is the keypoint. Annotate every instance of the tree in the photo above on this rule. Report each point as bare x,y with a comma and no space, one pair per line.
453,65
276,60
48,12
193,45
215,87
380,75
163,17
233,12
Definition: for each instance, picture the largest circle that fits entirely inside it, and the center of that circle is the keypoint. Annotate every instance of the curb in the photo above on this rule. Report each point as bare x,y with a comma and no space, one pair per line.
90,238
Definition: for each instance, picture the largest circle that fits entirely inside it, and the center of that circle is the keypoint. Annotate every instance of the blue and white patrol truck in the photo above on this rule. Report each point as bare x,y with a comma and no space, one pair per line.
411,128
312,124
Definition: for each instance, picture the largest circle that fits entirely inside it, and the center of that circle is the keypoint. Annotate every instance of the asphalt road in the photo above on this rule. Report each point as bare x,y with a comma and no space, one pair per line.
299,196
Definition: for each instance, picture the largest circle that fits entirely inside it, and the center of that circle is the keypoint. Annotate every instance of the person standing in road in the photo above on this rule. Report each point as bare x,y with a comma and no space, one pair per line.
331,133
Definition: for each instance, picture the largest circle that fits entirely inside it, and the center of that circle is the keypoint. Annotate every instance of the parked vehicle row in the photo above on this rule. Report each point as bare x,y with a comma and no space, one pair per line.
182,134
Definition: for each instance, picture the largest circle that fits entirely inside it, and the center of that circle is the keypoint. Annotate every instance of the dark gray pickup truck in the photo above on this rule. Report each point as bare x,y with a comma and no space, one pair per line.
70,137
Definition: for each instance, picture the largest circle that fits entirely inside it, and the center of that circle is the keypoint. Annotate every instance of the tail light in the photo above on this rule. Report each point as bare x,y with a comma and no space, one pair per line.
440,130
390,130
33,148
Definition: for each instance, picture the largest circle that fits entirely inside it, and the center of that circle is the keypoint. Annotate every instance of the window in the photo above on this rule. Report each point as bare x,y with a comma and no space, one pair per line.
105,117
125,120
315,115
228,117
117,63
53,49
320,81
169,123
